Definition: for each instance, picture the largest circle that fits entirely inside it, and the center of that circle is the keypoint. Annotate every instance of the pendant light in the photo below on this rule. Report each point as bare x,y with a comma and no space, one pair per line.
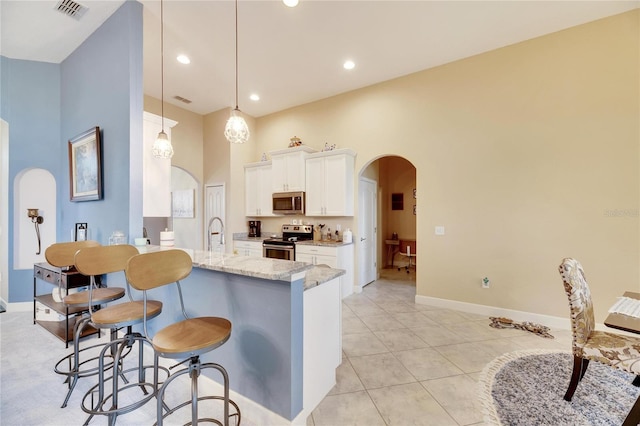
162,146
236,130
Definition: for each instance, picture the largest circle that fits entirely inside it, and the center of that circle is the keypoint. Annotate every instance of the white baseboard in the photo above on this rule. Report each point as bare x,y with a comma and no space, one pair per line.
18,306
492,311
558,323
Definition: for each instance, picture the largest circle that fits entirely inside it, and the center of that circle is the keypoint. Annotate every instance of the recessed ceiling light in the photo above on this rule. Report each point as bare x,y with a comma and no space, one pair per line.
183,59
349,65
254,97
290,3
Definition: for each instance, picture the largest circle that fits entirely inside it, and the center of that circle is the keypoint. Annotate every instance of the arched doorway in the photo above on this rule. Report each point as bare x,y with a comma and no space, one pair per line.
395,216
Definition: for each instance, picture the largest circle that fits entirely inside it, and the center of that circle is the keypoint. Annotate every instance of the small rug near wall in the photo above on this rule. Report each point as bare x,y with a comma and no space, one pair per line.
527,388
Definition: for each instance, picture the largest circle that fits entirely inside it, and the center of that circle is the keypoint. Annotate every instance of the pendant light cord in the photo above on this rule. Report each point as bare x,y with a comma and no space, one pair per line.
162,61
236,54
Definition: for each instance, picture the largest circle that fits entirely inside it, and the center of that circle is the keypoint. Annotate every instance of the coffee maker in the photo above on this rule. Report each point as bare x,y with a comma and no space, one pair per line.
254,228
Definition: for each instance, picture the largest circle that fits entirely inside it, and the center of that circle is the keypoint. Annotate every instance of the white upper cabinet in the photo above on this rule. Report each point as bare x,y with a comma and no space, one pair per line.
329,177
257,180
156,172
288,168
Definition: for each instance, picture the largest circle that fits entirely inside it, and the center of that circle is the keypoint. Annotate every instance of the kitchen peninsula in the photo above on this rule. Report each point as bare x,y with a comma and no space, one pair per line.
286,338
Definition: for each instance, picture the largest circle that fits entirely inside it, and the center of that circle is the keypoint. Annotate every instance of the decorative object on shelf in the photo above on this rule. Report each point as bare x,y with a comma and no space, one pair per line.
328,147
236,130
85,171
264,157
295,141
162,145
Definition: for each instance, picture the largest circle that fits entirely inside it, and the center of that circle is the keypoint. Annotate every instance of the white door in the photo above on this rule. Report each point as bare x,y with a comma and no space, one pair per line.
367,236
213,207
4,214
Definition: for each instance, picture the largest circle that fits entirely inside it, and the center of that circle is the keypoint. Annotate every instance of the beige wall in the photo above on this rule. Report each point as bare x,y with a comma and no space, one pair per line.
525,154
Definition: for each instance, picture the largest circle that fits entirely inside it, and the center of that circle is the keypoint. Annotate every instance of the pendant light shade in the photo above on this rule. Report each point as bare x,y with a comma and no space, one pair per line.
162,146
236,130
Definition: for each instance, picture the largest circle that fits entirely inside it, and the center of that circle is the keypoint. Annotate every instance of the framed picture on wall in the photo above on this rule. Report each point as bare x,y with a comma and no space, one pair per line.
85,168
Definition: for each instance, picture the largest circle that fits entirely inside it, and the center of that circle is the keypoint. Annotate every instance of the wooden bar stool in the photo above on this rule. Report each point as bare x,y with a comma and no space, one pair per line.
185,340
95,261
62,255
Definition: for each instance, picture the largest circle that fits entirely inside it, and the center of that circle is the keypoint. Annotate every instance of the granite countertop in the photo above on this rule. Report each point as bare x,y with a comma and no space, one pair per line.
258,267
320,275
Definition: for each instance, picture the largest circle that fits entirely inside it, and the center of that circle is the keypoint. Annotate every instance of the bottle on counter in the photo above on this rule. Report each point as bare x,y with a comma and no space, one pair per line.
347,236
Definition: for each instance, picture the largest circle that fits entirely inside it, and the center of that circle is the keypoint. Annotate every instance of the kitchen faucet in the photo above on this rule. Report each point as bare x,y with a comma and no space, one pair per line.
209,232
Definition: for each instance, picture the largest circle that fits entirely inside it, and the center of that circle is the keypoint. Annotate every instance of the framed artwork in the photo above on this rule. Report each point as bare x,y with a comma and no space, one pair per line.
397,201
85,168
183,203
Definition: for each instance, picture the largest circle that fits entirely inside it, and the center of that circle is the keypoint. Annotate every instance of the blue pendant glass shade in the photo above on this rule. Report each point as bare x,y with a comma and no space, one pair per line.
236,130
162,146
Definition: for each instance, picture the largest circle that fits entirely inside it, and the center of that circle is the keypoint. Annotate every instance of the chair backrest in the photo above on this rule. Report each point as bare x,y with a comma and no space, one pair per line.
103,259
150,270
580,304
407,246
63,254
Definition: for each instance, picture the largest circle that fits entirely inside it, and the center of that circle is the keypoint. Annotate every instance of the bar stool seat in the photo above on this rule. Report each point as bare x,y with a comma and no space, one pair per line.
192,337
124,314
100,296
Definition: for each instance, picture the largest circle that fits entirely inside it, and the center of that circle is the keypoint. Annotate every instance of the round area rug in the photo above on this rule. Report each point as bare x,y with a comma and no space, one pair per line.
527,388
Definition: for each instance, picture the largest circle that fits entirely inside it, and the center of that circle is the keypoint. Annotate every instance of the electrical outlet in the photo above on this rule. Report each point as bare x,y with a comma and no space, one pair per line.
485,282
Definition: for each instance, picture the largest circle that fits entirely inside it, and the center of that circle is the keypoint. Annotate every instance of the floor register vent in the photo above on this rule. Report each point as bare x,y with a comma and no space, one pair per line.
71,8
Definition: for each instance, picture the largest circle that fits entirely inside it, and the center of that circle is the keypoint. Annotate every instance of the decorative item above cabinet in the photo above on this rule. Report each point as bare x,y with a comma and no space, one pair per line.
288,168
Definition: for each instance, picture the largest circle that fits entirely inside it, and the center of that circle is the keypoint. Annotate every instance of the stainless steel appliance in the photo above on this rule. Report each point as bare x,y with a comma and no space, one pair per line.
285,247
288,202
254,228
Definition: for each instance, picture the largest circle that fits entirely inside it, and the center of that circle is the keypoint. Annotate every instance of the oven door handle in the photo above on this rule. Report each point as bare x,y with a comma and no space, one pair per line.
278,246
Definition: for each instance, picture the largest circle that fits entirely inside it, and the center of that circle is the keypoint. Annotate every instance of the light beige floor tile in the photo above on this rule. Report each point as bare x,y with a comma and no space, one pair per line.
346,379
397,306
473,317
413,319
427,363
400,340
362,344
445,316
457,395
531,341
409,404
437,335
310,421
376,371
353,325
367,309
469,357
347,312
381,322
353,409
474,330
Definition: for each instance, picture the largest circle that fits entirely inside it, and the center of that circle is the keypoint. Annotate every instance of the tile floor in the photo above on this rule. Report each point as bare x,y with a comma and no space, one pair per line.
410,364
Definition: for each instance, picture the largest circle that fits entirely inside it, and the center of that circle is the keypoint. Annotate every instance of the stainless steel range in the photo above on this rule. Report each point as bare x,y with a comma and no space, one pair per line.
285,247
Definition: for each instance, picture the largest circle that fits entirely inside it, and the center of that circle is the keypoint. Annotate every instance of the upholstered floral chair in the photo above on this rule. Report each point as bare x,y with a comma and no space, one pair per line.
616,350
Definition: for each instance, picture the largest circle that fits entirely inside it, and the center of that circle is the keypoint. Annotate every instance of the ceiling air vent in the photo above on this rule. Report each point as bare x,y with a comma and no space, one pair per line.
71,8
181,99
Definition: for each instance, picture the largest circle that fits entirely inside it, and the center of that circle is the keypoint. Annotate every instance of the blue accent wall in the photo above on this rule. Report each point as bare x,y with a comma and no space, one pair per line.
31,106
99,84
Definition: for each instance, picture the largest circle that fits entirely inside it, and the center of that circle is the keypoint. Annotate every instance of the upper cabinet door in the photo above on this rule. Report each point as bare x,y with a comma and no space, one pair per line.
257,178
288,169
330,188
156,172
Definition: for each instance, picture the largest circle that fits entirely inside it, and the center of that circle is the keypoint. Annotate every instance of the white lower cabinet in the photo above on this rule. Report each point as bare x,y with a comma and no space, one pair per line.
247,248
339,257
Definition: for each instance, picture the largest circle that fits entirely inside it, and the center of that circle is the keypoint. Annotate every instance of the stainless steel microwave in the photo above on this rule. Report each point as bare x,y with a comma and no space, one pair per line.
288,202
